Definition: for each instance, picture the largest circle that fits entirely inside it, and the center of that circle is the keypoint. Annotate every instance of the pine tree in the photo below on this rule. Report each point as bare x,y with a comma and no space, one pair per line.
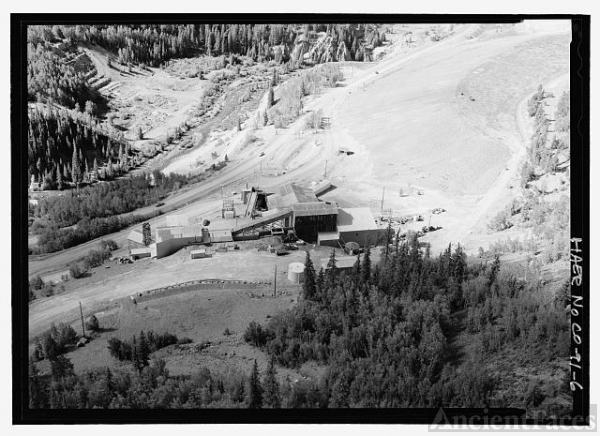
143,350
495,268
274,78
59,180
330,274
270,98
356,271
76,175
320,283
109,169
309,287
255,396
366,267
272,396
239,125
61,367
38,397
135,355
96,174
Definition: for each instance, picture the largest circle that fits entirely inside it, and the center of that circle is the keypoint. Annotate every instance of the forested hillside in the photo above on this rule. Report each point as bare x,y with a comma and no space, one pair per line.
390,336
414,331
154,44
70,147
67,143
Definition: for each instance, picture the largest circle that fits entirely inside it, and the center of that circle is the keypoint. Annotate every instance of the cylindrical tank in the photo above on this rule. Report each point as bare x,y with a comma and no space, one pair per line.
205,235
296,272
352,248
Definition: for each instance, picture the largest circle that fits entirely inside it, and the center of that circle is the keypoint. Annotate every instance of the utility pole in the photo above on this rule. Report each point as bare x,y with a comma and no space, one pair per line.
82,323
275,281
325,175
382,196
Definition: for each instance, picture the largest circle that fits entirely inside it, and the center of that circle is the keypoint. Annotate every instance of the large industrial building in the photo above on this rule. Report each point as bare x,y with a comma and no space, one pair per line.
261,213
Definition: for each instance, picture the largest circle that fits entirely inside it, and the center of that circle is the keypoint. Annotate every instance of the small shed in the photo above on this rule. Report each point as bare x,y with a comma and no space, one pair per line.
221,236
342,263
199,254
141,252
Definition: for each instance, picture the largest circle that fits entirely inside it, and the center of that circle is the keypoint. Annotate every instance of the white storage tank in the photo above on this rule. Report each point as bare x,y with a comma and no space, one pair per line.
296,272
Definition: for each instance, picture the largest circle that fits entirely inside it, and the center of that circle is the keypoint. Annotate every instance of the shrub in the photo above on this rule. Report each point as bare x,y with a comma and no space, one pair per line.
256,335
37,283
96,257
92,324
501,221
76,271
108,244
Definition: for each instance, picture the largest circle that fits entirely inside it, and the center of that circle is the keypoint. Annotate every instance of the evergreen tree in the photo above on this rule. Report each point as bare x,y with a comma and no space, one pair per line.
51,349
76,168
96,174
495,268
356,271
59,180
320,283
86,174
366,267
302,89
143,350
255,396
331,273
309,287
270,98
38,397
135,355
61,367
109,169
272,396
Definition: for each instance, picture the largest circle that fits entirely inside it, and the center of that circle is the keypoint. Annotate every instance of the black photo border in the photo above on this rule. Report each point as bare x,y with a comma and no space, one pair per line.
580,214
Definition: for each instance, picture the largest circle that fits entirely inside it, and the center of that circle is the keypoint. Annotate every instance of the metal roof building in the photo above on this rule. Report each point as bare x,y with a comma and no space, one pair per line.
314,209
290,195
136,237
343,262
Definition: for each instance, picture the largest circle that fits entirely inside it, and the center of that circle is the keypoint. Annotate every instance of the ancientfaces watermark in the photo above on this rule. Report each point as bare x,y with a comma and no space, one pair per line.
488,421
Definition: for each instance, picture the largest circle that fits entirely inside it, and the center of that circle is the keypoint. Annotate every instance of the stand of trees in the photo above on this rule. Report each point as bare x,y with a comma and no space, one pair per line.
385,333
95,209
154,44
50,78
65,148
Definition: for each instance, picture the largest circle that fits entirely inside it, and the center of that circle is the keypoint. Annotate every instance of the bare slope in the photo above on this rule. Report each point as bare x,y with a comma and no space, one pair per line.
448,118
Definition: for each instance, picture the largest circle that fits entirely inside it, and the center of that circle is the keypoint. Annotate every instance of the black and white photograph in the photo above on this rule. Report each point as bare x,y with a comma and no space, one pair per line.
312,213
